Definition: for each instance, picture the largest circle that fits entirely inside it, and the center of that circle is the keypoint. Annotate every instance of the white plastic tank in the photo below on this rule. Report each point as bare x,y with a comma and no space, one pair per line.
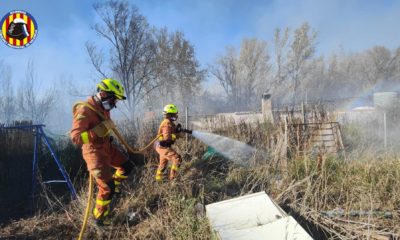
385,99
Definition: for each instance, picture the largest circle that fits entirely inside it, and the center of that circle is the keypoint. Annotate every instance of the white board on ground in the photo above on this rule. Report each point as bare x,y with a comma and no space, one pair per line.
253,216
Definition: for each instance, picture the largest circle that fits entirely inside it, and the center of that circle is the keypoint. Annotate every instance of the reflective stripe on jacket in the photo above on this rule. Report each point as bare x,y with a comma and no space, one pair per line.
84,120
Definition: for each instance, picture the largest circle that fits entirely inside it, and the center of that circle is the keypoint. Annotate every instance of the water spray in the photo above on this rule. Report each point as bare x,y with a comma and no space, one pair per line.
232,149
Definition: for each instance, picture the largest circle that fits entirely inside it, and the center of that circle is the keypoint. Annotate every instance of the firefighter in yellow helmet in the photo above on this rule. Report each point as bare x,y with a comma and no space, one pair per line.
92,132
168,132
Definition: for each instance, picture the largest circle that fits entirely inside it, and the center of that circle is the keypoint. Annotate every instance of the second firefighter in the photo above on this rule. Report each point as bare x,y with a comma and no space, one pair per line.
168,132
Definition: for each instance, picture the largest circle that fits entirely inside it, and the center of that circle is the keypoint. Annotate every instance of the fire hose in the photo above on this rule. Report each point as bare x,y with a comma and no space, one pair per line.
126,145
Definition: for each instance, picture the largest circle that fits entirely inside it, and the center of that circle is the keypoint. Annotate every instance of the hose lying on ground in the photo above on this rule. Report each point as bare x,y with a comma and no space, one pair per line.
88,207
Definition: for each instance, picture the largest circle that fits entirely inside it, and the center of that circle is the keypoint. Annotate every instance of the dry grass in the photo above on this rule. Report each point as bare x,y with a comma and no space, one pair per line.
353,198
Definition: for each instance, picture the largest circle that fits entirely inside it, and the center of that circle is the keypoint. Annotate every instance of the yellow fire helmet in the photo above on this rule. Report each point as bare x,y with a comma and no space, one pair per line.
113,86
170,108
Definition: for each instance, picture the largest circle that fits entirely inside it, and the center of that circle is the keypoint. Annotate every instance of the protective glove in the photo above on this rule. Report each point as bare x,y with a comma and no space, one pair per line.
178,128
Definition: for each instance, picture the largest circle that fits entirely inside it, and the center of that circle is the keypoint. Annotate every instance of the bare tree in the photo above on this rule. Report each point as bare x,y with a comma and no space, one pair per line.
179,74
7,98
379,64
34,104
132,49
226,71
241,75
301,51
187,69
281,42
253,69
355,75
314,83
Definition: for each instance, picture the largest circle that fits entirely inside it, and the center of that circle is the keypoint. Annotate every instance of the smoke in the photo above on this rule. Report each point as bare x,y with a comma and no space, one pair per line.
364,97
234,150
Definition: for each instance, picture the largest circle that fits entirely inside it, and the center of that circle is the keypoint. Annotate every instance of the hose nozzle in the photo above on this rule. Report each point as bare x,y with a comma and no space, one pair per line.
187,131
179,129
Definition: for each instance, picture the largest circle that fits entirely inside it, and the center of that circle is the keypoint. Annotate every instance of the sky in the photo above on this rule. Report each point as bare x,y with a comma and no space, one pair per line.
210,25
59,54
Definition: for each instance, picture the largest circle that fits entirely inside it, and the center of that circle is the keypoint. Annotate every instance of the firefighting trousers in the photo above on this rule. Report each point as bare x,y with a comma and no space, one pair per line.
166,155
107,183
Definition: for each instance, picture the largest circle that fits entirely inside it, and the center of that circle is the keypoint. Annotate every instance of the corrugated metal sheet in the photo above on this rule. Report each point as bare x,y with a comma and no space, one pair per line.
253,216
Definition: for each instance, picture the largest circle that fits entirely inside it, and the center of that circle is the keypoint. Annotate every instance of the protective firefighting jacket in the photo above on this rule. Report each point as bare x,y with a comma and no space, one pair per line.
167,133
90,131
